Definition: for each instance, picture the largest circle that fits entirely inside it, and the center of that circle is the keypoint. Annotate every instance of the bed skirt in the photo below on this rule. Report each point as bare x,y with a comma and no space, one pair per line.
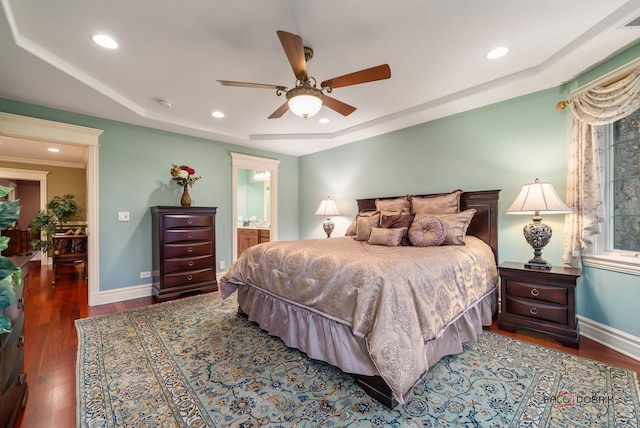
331,340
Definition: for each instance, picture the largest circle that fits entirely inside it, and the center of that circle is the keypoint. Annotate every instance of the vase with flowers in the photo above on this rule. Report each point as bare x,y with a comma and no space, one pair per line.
185,176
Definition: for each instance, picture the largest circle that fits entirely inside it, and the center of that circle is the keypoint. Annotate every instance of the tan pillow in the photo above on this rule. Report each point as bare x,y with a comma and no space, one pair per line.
351,230
364,225
456,226
388,237
427,231
395,205
437,204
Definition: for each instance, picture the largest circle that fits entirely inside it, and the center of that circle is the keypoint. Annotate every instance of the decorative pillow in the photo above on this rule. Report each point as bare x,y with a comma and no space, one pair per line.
456,226
436,204
398,220
427,231
351,230
364,225
388,237
395,205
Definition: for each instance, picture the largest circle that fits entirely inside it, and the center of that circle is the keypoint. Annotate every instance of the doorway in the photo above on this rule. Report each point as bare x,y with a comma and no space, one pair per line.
244,171
45,130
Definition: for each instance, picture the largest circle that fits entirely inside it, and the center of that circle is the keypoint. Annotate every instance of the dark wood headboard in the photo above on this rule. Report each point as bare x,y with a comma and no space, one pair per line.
484,224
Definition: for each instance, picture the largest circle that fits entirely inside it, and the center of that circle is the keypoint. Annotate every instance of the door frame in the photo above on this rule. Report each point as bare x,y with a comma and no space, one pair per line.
241,161
63,133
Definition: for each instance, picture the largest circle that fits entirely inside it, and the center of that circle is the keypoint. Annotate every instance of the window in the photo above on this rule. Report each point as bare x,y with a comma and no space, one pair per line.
617,247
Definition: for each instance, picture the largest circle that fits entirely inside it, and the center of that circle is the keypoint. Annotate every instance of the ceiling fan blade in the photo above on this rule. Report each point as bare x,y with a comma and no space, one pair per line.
342,108
250,85
372,74
293,47
281,110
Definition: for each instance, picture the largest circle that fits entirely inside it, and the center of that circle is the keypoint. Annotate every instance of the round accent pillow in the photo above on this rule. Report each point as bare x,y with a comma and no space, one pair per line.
427,231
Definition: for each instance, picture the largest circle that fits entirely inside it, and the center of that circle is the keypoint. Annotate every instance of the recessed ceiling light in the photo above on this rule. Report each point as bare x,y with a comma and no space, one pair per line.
105,41
217,114
497,52
53,150
324,120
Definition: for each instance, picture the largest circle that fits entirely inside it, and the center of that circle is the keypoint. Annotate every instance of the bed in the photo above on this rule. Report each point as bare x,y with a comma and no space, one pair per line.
383,314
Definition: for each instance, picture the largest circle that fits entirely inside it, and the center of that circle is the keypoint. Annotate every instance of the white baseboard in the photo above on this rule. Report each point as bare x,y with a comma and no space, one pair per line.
121,294
610,337
128,293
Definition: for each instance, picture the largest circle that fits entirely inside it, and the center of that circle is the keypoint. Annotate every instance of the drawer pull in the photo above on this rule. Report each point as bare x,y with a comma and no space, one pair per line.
535,292
21,342
533,311
190,221
190,263
20,303
190,235
22,378
190,249
190,277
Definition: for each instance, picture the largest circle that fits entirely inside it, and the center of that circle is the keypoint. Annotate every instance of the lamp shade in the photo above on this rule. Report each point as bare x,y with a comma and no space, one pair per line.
327,208
536,198
305,105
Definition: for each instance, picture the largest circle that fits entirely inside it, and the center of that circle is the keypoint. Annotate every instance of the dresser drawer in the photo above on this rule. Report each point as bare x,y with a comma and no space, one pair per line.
178,221
191,277
542,293
537,310
185,235
188,263
187,250
14,394
12,354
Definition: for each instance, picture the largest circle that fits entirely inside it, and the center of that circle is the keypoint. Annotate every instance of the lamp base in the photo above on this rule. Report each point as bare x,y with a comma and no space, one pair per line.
533,264
328,226
537,235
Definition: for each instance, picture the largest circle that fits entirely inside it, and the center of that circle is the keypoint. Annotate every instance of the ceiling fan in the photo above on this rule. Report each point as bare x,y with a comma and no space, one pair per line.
305,99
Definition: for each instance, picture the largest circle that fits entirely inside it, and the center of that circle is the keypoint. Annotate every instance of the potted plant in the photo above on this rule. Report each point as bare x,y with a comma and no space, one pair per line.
9,273
60,209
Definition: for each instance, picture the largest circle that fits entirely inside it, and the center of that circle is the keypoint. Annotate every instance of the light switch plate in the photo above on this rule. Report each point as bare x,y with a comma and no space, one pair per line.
123,215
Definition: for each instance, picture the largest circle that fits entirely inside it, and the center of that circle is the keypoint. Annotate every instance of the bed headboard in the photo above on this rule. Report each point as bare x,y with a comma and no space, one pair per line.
484,224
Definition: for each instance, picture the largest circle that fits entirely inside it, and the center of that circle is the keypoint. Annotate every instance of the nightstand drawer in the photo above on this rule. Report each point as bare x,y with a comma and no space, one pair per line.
537,310
543,293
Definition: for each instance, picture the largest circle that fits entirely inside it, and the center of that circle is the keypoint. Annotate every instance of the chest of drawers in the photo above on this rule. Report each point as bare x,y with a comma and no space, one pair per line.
184,250
13,377
539,300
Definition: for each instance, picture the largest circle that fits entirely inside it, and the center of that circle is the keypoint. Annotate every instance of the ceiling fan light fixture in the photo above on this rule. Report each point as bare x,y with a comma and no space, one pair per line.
304,101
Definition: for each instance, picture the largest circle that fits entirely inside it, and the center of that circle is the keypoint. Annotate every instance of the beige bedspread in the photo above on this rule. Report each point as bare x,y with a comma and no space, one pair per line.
397,298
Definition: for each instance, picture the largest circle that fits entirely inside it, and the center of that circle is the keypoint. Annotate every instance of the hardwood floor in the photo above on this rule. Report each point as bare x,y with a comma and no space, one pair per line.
51,343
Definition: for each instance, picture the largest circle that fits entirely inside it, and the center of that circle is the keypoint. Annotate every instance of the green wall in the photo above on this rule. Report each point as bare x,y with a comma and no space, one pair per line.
501,146
134,164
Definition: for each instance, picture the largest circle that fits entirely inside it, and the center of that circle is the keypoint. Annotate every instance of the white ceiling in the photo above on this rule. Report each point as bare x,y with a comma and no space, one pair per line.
176,51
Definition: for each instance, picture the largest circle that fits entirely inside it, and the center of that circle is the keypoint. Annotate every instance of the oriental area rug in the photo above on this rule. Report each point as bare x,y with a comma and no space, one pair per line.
194,362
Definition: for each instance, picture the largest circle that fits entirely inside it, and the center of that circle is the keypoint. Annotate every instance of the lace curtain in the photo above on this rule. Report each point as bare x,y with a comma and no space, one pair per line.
599,105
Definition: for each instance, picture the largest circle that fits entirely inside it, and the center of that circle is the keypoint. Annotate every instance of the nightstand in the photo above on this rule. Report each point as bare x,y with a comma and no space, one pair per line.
540,300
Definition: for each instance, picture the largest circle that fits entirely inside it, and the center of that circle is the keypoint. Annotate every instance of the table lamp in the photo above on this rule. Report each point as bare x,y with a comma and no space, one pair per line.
536,198
327,208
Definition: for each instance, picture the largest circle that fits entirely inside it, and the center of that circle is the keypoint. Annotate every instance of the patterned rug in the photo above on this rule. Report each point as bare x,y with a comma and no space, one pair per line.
194,362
